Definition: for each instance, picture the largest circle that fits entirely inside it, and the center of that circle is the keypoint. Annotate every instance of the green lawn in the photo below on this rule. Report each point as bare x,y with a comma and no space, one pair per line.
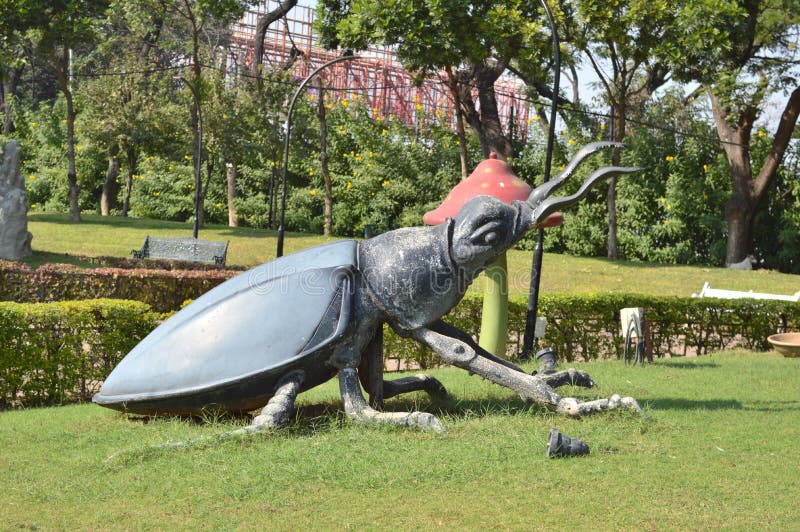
54,236
720,452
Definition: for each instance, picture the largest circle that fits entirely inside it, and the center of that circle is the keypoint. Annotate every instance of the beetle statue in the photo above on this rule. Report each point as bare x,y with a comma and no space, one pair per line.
286,326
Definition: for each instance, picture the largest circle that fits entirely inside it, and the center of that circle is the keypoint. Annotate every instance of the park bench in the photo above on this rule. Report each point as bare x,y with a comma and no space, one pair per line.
186,249
707,291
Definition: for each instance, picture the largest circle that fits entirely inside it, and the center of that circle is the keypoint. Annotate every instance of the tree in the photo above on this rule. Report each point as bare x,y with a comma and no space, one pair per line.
618,39
127,98
15,18
262,25
59,28
472,42
745,54
202,19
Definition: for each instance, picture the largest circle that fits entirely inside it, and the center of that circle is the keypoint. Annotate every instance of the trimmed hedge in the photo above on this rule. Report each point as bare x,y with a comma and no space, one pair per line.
587,327
155,264
53,353
164,290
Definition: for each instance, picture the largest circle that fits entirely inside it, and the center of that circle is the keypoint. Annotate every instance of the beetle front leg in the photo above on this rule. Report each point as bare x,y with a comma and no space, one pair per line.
530,388
554,380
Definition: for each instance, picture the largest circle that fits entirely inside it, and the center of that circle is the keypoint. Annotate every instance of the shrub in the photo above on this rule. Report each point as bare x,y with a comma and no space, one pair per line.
587,327
162,289
52,353
155,264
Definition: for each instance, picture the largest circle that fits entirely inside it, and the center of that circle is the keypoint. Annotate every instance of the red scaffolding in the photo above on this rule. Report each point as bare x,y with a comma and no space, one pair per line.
377,78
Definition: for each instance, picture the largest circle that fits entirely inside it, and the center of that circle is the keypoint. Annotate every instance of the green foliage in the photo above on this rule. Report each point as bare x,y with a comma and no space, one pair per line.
384,174
777,225
53,353
164,189
670,212
713,39
44,159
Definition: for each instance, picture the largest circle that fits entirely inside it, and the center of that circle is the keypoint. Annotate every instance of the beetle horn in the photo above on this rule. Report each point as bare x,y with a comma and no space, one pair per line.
550,205
543,191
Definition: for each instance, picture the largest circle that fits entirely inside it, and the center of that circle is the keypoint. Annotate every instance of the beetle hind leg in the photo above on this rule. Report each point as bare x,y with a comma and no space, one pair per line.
416,383
357,408
281,405
568,376
370,373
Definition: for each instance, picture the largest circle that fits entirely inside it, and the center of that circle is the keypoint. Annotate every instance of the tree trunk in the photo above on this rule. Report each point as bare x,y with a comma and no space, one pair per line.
486,123
617,134
108,198
132,162
61,66
232,173
10,78
452,83
496,141
327,223
262,25
739,215
748,189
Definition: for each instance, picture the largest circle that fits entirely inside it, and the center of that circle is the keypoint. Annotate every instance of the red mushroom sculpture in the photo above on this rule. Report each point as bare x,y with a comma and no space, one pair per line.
491,177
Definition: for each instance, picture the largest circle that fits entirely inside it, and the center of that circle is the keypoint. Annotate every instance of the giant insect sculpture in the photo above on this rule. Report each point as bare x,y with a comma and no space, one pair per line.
286,326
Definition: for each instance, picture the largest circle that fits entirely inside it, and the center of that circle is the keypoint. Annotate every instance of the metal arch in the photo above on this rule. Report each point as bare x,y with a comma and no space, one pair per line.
288,128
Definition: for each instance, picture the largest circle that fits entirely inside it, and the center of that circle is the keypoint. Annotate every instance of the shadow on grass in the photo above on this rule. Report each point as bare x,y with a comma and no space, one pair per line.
670,403
39,258
721,404
687,364
114,221
774,406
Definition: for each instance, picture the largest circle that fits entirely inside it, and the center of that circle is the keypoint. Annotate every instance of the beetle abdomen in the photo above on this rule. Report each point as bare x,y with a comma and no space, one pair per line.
240,337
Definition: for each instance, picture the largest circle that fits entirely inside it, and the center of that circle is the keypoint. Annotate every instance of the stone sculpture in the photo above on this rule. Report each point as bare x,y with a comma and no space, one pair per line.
293,323
15,240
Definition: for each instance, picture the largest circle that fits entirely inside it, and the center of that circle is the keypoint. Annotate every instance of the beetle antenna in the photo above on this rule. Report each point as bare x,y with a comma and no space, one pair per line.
550,205
543,191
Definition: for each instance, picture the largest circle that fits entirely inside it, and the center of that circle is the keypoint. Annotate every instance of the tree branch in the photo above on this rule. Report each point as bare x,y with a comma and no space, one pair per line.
261,31
779,143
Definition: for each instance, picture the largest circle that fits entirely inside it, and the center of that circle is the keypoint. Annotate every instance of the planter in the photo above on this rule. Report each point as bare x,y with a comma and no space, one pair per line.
787,344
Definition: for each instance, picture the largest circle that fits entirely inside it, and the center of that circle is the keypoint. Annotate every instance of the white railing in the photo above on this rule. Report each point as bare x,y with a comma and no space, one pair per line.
707,291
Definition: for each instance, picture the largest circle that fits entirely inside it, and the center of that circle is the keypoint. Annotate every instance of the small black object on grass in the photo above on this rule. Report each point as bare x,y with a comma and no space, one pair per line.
562,445
548,359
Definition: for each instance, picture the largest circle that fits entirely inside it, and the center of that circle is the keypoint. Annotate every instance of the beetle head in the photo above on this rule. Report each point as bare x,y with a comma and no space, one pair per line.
484,228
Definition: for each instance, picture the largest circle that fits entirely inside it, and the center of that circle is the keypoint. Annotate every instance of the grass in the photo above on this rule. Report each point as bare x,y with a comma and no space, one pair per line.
55,239
720,451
